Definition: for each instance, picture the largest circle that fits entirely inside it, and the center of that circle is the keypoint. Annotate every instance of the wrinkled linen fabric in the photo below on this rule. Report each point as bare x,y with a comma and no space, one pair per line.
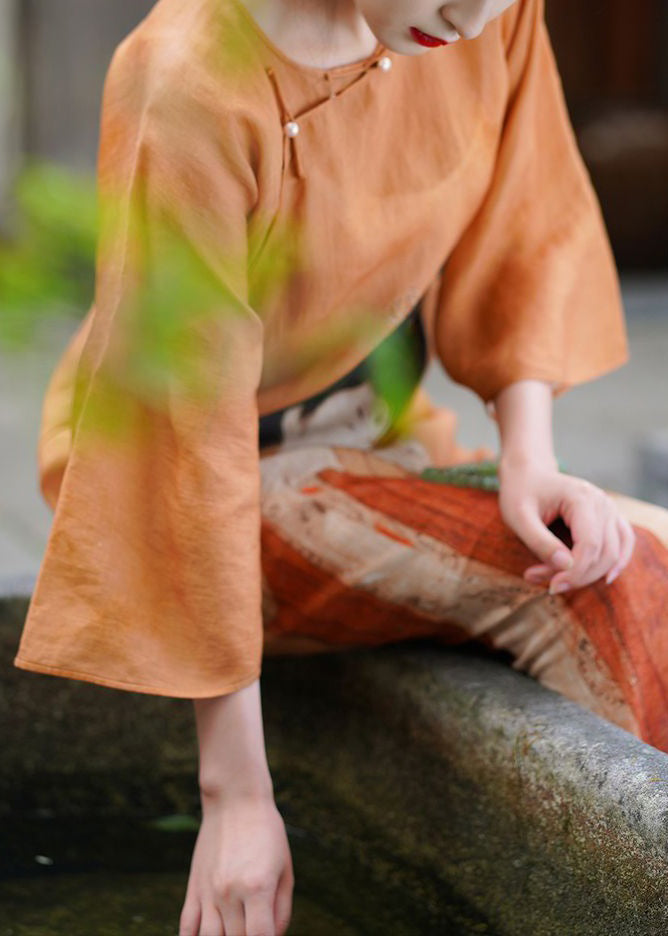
241,270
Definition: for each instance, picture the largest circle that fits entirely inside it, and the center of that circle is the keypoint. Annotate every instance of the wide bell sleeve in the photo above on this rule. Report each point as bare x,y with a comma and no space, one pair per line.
151,579
531,290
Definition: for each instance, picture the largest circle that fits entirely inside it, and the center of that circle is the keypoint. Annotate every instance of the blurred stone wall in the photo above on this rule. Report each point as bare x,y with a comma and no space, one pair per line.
10,100
67,46
610,51
613,59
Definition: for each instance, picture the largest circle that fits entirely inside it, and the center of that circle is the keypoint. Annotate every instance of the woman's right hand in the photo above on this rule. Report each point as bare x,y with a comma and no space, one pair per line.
241,875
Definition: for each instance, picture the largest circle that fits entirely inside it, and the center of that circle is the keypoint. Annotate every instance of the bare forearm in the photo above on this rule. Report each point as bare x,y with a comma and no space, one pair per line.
233,760
524,416
241,876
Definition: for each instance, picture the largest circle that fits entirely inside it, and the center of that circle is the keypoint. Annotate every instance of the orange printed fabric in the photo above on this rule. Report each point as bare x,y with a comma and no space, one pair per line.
358,550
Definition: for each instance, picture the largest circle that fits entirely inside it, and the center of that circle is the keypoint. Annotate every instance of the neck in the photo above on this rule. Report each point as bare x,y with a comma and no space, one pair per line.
320,33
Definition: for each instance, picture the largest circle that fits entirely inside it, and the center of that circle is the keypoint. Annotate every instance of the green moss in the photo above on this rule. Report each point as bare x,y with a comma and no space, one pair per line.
115,878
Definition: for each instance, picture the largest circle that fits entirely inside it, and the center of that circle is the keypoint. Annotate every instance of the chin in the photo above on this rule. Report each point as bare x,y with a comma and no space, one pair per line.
402,46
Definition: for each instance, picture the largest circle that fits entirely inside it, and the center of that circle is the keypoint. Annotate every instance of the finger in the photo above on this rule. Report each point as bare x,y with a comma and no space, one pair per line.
587,525
599,549
260,914
211,924
189,920
611,551
628,536
544,544
627,539
232,912
283,904
538,574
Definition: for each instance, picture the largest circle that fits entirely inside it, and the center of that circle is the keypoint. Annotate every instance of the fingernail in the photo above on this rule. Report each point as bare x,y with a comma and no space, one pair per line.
560,588
562,558
611,576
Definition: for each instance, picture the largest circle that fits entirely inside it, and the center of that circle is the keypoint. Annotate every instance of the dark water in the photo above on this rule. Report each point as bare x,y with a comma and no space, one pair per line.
120,878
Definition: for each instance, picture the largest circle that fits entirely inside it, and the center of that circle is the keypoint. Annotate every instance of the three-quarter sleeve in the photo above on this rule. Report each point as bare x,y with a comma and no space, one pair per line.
151,580
531,290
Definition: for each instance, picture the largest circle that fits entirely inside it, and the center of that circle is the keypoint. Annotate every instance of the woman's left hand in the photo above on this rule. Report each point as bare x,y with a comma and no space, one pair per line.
532,496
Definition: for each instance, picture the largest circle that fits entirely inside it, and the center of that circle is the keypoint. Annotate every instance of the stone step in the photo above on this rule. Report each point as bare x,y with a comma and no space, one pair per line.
445,771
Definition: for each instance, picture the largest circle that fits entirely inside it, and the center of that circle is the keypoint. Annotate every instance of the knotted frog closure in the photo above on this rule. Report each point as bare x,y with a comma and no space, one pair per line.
293,122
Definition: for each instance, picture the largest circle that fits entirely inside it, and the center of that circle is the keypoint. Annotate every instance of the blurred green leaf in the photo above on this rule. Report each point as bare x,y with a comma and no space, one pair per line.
174,310
48,266
175,823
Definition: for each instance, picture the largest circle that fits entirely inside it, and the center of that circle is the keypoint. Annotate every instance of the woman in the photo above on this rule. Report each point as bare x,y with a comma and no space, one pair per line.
303,202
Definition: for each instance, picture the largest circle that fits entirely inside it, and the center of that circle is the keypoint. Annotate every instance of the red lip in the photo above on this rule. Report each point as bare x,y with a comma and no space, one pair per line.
424,39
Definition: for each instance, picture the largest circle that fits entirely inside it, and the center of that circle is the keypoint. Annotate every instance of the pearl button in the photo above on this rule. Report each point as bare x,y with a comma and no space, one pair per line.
385,63
292,129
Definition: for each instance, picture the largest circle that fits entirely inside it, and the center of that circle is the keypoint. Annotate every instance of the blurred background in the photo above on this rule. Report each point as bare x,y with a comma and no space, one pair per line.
613,58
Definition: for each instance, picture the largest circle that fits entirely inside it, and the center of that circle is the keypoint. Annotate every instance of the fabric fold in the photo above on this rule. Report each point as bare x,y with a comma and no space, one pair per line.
151,576
531,291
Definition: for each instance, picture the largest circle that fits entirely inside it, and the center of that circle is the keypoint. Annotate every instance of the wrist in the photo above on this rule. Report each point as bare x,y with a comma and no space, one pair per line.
524,415
219,791
526,460
232,758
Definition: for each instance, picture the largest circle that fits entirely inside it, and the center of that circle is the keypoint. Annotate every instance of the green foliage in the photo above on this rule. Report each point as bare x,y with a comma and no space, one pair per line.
180,327
395,370
482,474
47,268
177,822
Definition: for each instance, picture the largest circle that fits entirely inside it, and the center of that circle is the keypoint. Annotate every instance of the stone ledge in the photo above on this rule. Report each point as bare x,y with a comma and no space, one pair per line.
541,816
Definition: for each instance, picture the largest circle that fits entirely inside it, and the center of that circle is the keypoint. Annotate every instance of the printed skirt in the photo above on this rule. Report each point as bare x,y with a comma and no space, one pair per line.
364,544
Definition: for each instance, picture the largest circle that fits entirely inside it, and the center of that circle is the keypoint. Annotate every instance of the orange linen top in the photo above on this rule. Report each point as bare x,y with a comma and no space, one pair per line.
454,174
